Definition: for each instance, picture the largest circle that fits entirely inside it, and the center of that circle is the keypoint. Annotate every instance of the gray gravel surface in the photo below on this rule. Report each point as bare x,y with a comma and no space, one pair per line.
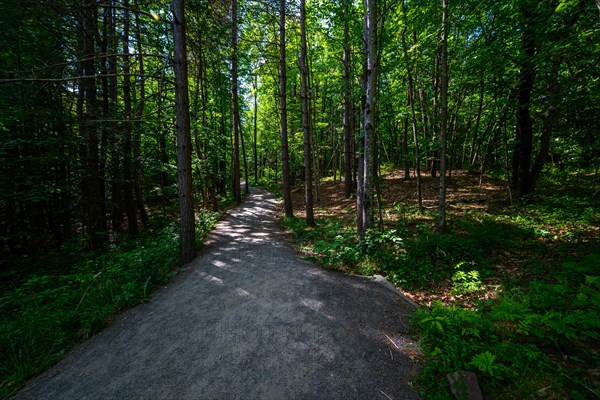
247,319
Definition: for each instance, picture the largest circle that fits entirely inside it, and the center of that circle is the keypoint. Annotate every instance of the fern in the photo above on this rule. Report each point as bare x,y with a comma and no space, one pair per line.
485,363
509,310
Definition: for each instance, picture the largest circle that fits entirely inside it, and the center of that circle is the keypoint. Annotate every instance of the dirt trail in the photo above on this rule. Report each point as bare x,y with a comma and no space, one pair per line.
247,319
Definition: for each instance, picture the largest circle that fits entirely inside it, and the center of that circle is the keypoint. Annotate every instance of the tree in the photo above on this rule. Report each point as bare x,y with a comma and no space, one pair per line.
348,117
285,157
364,204
306,116
521,175
411,103
237,194
128,178
255,130
532,17
187,230
443,114
88,114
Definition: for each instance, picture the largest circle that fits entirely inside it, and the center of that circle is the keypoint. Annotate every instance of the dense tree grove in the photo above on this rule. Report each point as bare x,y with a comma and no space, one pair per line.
292,91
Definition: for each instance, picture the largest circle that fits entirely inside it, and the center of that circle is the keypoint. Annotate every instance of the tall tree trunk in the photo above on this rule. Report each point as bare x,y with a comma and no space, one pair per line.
521,175
195,134
285,157
306,116
127,128
473,153
137,140
348,157
444,115
360,168
225,124
187,232
202,82
107,21
245,159
116,155
314,87
411,101
255,142
435,109
163,157
405,149
92,185
365,203
237,194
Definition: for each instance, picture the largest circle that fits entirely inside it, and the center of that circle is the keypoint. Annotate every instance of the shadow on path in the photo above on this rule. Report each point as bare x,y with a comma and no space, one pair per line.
247,319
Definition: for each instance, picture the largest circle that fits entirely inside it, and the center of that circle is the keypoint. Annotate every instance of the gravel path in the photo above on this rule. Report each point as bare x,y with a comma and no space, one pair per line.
247,319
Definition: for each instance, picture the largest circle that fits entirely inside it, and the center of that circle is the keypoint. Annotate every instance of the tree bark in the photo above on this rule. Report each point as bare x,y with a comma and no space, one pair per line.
473,153
405,149
245,160
255,142
411,101
92,185
187,232
306,117
348,157
285,164
130,210
137,145
521,174
444,115
365,203
237,193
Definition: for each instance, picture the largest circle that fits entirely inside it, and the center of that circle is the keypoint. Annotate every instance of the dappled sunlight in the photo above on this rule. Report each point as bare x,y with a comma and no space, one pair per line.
312,304
241,292
221,264
211,278
312,310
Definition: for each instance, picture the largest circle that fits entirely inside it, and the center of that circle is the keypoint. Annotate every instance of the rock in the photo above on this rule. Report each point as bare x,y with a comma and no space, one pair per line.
464,385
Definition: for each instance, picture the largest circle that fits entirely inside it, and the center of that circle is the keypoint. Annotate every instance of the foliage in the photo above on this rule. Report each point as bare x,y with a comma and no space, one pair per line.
335,247
50,312
507,340
465,281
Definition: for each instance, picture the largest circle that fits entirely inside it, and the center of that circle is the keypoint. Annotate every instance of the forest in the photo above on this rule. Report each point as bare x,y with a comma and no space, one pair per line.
453,147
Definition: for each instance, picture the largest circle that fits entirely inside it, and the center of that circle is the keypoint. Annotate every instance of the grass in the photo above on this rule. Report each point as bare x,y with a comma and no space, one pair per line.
48,312
510,292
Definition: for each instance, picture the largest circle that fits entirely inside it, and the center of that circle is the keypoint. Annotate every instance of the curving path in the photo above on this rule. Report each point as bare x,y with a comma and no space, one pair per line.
247,319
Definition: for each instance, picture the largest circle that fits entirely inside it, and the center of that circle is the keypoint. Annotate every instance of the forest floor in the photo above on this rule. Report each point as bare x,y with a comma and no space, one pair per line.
248,319
511,289
466,195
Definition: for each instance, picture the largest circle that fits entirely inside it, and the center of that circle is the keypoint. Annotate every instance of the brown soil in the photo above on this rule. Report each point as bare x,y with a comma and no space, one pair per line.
464,193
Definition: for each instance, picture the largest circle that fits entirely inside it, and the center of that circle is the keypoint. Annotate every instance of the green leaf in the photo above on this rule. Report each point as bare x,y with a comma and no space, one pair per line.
484,362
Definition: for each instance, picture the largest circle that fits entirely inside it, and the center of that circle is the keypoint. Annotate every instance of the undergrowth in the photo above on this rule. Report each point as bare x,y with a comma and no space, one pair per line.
51,311
512,293
536,342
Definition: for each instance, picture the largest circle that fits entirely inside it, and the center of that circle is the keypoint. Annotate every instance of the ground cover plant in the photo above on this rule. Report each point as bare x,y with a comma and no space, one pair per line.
509,291
73,294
